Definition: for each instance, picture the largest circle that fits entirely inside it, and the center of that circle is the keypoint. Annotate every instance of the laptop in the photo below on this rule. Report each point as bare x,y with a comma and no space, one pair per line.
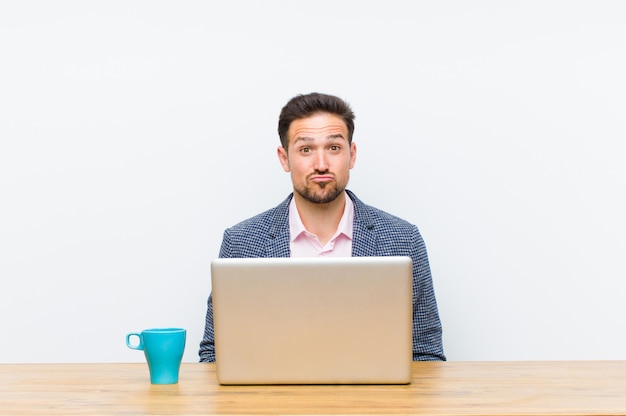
341,320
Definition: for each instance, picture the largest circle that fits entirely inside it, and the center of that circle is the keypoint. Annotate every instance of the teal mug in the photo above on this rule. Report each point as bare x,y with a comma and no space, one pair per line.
163,348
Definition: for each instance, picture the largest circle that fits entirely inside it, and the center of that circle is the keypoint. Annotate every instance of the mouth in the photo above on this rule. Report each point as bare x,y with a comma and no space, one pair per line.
321,178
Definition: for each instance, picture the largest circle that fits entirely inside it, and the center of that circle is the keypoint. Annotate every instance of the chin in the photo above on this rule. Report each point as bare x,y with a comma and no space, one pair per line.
321,197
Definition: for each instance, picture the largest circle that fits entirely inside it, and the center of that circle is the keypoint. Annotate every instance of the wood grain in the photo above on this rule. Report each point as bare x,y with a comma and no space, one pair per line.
451,388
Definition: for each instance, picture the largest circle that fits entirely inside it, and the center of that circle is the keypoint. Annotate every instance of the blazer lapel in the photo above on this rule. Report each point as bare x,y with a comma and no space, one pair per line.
277,242
364,239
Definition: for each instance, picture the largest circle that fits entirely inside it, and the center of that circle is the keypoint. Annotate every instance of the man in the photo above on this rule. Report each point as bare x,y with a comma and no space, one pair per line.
322,218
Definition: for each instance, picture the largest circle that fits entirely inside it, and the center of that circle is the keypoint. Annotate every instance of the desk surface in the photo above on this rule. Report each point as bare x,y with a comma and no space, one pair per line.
450,388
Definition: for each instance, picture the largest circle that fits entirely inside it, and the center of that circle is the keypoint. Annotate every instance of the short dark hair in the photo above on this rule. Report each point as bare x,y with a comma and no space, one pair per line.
302,106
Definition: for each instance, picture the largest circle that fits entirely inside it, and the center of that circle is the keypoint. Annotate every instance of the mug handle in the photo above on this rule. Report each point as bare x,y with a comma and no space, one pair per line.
139,346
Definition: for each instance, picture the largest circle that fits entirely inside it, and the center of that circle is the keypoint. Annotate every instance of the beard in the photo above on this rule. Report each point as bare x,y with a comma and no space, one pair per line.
321,193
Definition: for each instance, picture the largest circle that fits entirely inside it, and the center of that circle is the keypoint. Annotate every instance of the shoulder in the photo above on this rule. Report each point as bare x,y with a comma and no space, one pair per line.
263,222
373,217
265,234
389,234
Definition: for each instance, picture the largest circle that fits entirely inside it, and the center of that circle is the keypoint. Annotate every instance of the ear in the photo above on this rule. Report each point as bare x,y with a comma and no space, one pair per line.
283,158
352,154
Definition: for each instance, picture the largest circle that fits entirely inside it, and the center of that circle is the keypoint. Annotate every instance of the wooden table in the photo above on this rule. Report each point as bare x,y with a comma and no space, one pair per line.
451,388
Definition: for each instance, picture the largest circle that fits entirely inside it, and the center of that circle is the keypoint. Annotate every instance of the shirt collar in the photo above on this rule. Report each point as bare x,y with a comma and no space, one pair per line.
296,227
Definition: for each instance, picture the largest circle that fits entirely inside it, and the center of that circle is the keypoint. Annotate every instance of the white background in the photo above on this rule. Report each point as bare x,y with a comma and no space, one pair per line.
134,132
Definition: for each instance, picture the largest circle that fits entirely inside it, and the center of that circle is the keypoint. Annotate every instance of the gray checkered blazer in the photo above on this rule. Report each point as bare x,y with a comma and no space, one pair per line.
376,233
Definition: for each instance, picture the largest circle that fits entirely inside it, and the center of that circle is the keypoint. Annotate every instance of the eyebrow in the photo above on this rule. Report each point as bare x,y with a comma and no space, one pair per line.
329,137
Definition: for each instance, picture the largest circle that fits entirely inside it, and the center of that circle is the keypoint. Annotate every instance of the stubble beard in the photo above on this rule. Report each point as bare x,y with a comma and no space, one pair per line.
324,194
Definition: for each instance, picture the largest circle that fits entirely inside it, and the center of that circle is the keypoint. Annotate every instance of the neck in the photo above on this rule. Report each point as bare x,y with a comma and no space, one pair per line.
321,219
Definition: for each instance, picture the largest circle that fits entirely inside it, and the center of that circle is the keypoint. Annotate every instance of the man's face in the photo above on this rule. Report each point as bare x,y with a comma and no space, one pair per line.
319,157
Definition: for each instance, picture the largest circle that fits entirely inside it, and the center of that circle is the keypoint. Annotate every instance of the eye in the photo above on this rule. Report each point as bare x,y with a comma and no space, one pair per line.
334,147
305,149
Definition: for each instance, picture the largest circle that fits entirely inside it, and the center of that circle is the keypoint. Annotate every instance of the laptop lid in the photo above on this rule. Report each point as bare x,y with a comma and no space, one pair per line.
342,320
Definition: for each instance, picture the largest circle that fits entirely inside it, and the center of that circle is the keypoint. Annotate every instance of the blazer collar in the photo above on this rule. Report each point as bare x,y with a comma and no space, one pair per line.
277,243
363,238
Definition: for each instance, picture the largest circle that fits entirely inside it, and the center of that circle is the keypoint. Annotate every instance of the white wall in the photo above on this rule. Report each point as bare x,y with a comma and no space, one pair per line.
134,132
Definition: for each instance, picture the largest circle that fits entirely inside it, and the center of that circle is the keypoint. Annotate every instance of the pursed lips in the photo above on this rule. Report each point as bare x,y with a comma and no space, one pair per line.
321,178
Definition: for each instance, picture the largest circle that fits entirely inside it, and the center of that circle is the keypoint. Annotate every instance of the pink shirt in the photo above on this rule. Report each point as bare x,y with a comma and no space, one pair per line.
306,244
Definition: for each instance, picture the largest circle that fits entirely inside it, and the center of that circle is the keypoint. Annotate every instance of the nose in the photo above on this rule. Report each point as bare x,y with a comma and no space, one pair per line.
321,162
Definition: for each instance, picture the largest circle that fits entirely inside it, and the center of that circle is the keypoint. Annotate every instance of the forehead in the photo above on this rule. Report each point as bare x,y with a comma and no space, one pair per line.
319,125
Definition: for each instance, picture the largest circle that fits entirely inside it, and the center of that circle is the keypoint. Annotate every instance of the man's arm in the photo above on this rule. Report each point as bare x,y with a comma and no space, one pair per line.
427,330
207,345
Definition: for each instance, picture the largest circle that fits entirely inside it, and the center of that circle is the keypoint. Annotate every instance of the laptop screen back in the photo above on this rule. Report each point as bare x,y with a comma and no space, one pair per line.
313,320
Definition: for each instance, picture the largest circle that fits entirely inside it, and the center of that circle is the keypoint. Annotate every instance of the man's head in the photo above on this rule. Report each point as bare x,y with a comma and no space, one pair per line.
317,149
302,106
